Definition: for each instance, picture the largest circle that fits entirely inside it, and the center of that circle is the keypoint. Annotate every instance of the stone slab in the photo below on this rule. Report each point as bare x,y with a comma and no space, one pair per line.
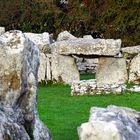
81,46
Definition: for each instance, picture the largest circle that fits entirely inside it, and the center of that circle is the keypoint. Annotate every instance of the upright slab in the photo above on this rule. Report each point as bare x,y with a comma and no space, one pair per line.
42,68
134,73
19,62
64,69
111,71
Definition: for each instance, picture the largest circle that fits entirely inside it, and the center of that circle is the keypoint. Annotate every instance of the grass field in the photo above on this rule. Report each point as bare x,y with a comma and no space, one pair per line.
63,113
87,76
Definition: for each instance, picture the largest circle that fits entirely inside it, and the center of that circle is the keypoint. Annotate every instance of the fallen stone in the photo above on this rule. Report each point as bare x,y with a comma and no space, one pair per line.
111,71
19,62
111,123
134,73
65,35
100,47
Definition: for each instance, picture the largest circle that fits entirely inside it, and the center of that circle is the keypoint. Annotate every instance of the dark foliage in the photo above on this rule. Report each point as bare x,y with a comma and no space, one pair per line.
106,18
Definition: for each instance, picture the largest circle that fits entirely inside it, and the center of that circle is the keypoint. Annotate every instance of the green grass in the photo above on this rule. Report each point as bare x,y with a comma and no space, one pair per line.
63,113
87,76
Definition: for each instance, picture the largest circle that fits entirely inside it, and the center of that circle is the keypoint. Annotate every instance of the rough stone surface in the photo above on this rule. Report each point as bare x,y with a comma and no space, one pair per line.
2,30
64,69
42,41
135,88
111,123
65,35
88,37
131,50
134,73
83,46
86,65
111,71
42,68
48,70
90,87
19,62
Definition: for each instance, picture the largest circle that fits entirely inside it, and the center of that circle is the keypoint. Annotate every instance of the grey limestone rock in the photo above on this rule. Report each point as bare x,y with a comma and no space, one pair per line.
111,71
134,71
65,35
19,62
111,123
81,46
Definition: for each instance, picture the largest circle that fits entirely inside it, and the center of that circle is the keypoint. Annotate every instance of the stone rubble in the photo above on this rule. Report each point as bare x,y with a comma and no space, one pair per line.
91,87
135,88
111,123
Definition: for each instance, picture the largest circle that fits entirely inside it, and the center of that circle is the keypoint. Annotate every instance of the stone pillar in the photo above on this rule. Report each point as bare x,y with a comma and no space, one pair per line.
64,69
19,62
42,68
111,71
48,70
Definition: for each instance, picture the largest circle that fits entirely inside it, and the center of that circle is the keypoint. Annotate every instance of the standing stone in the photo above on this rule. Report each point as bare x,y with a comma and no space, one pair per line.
111,71
42,41
64,69
42,68
134,73
48,70
19,62
111,123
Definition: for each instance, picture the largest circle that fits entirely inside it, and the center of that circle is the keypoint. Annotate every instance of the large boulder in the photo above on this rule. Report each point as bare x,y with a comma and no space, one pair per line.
81,46
134,73
111,123
19,62
111,71
42,41
64,69
65,35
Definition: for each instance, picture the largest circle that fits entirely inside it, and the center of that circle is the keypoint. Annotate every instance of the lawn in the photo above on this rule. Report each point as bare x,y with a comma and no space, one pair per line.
87,76
63,113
